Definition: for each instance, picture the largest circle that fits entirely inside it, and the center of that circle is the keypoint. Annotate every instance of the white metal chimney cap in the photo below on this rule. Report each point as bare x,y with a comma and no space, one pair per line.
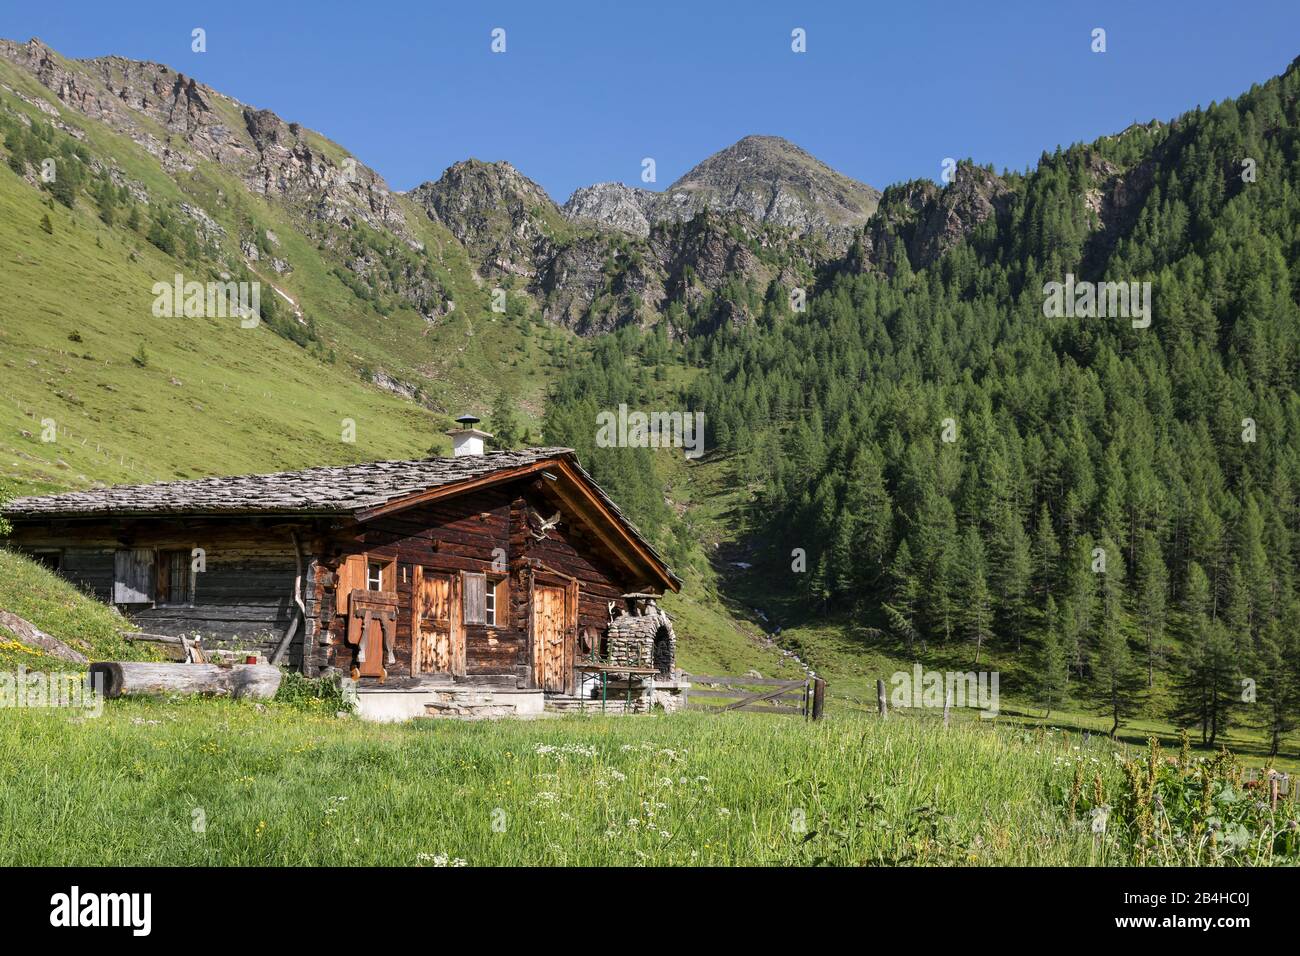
467,440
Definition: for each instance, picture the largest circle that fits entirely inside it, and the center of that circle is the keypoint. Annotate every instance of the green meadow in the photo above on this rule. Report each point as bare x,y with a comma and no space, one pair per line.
208,782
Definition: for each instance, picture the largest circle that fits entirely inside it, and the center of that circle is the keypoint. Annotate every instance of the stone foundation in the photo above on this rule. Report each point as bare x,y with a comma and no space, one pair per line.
670,694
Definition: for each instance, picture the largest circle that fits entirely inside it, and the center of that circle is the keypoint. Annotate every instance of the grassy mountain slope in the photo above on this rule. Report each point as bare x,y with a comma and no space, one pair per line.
265,402
213,397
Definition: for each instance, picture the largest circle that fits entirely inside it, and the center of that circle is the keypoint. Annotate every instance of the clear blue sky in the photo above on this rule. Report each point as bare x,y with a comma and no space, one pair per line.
586,89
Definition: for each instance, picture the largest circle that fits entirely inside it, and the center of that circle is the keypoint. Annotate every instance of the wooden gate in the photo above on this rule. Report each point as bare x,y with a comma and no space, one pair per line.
554,627
757,695
438,639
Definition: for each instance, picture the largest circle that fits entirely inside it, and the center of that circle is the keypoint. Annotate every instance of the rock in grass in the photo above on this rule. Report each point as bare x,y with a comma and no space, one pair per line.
33,636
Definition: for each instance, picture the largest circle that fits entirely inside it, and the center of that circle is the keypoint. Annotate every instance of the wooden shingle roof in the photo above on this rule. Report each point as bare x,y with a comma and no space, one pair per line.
325,490
329,490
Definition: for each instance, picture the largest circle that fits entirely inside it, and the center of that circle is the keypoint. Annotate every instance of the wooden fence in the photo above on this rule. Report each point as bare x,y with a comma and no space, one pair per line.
757,695
1275,784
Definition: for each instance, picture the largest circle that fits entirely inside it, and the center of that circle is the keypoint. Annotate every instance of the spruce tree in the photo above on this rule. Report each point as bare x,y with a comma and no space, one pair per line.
976,600
1053,665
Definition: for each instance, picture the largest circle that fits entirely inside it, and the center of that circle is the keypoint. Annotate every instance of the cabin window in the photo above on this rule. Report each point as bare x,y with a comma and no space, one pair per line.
486,600
474,589
374,576
175,584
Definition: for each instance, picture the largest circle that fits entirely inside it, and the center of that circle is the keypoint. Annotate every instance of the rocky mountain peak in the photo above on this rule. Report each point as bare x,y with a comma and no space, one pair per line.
473,184
501,216
613,205
772,181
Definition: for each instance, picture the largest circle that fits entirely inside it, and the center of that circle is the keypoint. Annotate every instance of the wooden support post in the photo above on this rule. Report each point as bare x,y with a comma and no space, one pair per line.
818,698
880,699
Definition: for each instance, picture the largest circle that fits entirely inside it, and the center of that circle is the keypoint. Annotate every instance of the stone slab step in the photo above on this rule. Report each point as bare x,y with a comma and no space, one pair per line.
468,711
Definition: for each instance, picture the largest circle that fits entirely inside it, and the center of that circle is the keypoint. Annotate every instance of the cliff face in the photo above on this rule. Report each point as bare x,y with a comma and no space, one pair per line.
613,205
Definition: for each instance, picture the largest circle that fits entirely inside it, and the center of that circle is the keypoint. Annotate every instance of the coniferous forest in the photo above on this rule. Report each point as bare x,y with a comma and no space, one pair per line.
1105,500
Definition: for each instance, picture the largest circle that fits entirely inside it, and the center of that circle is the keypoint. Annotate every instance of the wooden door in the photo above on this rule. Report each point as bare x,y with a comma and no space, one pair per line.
552,637
438,640
133,577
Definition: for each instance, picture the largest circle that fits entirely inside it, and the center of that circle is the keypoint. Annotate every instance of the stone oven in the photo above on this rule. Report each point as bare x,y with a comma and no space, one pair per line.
642,636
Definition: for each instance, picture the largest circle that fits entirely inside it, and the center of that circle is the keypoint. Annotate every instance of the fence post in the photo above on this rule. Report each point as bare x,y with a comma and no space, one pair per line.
880,699
818,698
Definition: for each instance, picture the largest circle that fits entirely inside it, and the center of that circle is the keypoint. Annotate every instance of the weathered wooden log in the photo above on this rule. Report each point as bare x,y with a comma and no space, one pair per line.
257,681
132,637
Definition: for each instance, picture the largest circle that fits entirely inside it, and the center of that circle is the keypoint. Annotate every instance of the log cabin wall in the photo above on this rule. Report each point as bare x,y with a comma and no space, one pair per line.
464,533
454,535
244,597
246,593
571,551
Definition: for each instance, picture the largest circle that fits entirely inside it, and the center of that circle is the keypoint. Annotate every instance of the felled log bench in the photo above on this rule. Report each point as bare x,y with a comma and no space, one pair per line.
254,681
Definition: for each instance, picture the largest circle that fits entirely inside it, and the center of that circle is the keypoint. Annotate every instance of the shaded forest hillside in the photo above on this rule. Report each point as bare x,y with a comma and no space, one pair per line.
926,451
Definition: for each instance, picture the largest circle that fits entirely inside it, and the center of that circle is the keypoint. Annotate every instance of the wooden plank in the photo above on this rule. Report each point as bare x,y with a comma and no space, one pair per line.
352,575
747,708
732,695
755,699
475,585
767,709
230,613
739,681
572,600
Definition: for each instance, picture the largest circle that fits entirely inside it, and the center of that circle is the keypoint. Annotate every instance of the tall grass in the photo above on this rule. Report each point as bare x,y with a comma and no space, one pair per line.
232,783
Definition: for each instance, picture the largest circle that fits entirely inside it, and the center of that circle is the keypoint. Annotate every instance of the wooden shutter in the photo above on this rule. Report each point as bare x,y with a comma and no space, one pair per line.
352,574
475,590
133,576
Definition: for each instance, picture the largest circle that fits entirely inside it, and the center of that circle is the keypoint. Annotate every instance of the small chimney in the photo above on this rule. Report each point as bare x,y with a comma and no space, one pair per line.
467,440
